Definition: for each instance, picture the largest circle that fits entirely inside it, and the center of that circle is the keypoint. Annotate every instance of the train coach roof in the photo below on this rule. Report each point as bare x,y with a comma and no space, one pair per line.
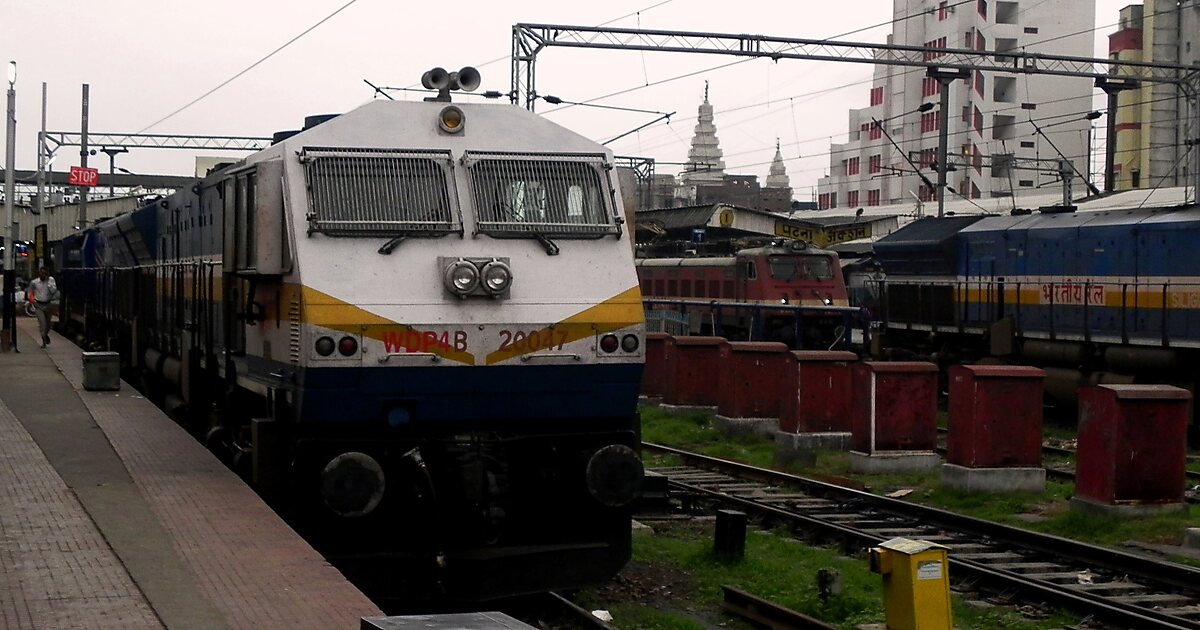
1049,223
925,232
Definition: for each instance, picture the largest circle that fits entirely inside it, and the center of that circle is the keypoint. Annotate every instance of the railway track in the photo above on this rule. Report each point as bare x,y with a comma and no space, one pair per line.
1118,588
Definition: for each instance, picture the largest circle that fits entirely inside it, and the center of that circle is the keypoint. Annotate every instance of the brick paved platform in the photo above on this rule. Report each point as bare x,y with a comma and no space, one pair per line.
111,516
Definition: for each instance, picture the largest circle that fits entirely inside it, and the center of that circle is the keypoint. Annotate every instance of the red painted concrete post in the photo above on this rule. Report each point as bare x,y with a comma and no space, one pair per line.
995,439
693,375
1132,450
654,375
894,420
753,383
824,393
995,416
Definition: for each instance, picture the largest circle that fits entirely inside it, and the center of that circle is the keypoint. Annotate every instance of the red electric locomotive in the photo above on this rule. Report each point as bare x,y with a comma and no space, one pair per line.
781,273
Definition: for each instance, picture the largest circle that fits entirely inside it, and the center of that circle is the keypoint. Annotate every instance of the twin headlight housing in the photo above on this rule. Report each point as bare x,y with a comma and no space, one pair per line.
464,277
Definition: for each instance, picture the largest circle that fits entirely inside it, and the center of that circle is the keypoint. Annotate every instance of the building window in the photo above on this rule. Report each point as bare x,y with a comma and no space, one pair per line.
979,82
1031,30
969,39
926,158
934,54
925,193
980,41
1007,12
1028,105
978,120
983,8
930,87
874,165
1027,144
876,96
872,197
852,198
975,194
930,122
1025,183
875,131
852,166
942,11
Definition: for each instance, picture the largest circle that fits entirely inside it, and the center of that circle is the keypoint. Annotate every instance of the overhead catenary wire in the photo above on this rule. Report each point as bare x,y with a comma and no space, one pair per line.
961,132
741,61
247,68
729,126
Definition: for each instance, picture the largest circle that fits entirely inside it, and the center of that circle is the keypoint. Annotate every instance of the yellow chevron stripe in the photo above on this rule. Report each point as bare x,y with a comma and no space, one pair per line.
322,309
620,311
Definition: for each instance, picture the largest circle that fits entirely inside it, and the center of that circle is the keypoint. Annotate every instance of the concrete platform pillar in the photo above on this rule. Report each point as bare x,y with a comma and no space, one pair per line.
816,415
692,374
995,441
654,375
894,417
1132,454
754,384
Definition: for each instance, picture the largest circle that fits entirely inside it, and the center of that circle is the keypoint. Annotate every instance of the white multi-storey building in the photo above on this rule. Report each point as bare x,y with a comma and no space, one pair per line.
993,117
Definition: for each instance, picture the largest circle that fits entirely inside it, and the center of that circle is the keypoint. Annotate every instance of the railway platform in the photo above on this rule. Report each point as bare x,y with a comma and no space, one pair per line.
112,516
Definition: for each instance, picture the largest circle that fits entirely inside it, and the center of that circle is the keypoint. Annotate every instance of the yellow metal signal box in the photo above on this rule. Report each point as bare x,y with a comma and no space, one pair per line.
916,584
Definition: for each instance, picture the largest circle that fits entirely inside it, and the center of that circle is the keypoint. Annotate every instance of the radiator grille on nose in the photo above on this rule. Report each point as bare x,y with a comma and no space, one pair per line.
380,191
294,330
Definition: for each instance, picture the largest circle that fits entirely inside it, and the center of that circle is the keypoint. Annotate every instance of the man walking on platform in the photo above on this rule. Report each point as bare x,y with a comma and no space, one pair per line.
43,292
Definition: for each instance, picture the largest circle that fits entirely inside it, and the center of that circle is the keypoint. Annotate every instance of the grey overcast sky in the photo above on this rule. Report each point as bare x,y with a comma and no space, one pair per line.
146,58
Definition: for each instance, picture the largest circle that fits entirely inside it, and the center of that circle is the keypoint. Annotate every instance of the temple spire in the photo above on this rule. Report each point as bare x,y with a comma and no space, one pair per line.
778,177
704,158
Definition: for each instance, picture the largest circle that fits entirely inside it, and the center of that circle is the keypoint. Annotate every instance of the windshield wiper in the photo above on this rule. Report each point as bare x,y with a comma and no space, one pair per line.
392,244
547,244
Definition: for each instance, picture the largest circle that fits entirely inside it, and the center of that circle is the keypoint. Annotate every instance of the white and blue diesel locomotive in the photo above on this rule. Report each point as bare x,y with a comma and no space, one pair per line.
416,324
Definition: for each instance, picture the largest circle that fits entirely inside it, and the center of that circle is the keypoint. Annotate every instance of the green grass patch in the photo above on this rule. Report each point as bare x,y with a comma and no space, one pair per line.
674,583
1047,511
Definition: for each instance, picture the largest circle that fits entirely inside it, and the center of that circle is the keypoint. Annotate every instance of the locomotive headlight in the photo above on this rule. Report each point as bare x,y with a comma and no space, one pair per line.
461,277
630,343
828,301
496,277
324,346
451,119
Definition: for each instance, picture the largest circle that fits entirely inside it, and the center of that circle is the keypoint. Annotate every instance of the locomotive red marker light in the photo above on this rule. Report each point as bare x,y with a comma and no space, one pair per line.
324,346
348,346
609,343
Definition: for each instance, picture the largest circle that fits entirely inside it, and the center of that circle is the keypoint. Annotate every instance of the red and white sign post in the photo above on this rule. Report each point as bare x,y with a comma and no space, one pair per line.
83,176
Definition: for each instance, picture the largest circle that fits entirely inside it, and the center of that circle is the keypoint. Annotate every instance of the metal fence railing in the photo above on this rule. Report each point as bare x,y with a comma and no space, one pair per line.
803,327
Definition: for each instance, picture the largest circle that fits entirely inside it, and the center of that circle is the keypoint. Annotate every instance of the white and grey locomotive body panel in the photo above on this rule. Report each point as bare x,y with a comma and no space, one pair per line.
393,296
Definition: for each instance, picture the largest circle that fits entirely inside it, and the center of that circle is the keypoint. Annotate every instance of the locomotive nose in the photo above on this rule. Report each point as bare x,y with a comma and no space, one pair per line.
614,475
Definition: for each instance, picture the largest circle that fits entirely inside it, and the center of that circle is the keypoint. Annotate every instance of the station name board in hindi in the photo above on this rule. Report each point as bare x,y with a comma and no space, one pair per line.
822,236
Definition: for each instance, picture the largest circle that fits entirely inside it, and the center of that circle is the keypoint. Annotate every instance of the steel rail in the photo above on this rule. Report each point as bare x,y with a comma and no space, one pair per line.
1178,576
768,614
